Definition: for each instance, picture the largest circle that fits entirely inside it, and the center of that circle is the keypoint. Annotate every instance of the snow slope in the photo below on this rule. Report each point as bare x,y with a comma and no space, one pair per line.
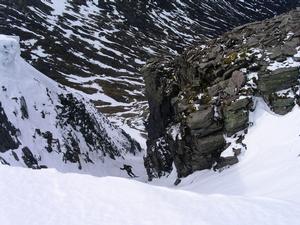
44,125
262,189
268,168
51,198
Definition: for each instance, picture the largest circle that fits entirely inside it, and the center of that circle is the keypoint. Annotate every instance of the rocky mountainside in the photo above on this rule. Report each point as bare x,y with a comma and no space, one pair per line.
42,124
200,101
98,46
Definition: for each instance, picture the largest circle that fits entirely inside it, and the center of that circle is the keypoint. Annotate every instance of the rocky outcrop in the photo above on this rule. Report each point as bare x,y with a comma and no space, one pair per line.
236,115
8,133
204,96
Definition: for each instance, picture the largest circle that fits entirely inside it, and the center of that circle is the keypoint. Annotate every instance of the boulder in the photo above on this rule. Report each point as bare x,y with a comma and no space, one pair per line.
206,150
236,116
202,122
200,118
226,161
278,80
283,51
209,145
230,86
215,89
282,106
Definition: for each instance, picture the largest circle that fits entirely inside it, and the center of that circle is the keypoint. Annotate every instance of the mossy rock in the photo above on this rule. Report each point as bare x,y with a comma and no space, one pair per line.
231,58
282,106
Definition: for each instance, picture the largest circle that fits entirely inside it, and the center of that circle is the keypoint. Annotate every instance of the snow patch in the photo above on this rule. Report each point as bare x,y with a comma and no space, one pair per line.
9,49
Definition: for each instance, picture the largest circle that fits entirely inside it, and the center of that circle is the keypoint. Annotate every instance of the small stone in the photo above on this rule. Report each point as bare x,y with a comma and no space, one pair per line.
226,161
178,181
237,151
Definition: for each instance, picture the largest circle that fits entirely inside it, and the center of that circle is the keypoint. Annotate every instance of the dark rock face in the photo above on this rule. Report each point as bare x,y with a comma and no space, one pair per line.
29,159
158,159
24,109
8,133
205,95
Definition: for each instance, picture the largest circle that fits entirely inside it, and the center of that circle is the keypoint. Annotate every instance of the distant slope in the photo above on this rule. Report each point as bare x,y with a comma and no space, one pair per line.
42,124
98,46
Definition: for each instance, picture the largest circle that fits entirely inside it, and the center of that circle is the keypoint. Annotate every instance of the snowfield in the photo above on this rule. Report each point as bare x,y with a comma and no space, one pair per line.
270,166
47,197
263,189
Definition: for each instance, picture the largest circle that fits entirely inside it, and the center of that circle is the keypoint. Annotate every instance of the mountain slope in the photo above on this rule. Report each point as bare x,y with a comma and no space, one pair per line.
44,125
97,46
262,189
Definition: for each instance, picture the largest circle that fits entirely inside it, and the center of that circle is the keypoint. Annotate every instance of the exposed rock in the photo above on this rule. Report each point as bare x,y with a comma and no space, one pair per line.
208,92
282,106
226,161
203,122
24,109
8,133
282,52
278,80
4,162
237,151
28,158
230,86
209,144
236,116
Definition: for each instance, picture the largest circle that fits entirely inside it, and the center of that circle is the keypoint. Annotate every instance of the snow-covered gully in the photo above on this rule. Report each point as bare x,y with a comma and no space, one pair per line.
76,158
262,189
